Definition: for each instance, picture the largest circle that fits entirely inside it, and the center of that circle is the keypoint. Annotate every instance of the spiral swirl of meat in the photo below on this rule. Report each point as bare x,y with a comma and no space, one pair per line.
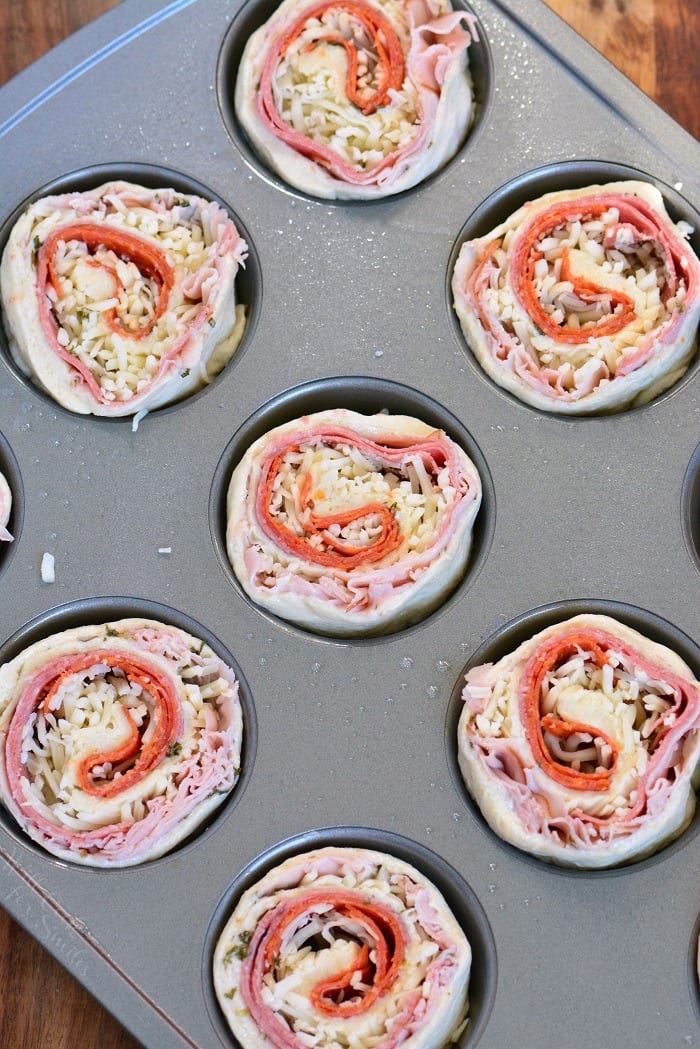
583,745
343,947
357,98
582,301
350,524
117,740
122,299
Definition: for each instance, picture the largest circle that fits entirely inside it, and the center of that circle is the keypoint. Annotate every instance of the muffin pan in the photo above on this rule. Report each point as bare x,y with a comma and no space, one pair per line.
352,742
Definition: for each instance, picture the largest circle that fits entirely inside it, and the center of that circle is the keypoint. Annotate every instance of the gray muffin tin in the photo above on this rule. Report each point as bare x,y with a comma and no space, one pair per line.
354,742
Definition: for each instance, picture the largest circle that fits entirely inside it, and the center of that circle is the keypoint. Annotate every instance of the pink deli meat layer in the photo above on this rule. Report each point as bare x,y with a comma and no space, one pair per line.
122,299
343,946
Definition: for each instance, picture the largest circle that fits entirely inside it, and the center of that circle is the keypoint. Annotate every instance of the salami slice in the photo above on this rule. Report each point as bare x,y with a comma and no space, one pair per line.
357,98
343,946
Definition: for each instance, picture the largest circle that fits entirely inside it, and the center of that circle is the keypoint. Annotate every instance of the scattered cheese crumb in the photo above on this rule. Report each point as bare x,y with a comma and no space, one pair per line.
137,419
165,549
48,573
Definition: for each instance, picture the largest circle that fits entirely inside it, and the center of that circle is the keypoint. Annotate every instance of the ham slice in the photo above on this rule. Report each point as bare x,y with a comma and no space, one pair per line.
122,299
343,946
586,747
349,524
5,509
357,98
582,301
117,740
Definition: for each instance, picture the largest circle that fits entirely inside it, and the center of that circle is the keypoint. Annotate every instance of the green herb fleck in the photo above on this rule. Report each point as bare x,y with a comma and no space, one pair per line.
681,308
185,373
82,314
36,244
211,322
240,949
111,632
230,994
174,749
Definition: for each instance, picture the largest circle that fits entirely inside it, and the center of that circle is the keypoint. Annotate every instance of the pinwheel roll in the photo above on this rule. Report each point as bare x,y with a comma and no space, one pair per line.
5,509
350,524
117,740
582,301
357,98
343,947
583,745
122,299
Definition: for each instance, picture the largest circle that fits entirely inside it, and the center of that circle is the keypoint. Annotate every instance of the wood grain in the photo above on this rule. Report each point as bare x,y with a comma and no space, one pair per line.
31,28
656,44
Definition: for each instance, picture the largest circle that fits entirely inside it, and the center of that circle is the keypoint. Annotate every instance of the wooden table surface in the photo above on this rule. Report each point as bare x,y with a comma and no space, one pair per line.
656,44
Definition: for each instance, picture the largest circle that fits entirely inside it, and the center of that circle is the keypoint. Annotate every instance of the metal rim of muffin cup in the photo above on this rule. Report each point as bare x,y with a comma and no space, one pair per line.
690,507
694,968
